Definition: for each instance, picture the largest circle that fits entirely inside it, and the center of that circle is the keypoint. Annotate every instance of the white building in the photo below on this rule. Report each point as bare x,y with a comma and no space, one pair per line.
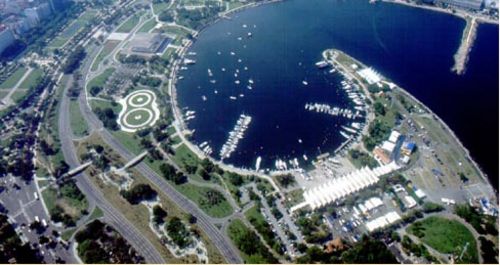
343,186
370,75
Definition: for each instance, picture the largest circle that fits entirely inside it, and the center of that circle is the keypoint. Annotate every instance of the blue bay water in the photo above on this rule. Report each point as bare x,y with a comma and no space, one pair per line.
413,47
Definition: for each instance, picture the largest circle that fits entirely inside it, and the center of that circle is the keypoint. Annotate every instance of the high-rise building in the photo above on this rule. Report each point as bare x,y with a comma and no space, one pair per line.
6,38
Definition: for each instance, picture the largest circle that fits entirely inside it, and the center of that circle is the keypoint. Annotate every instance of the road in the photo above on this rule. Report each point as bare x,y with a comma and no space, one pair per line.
112,215
23,207
218,238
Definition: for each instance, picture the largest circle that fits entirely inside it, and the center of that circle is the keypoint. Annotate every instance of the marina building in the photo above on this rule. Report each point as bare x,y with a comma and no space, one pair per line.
343,186
370,76
148,43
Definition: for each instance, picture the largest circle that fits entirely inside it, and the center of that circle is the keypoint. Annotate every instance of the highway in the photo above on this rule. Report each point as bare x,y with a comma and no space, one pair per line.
218,238
113,216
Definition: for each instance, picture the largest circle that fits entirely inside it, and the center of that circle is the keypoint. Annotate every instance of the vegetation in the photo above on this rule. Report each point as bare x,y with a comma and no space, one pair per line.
178,232
482,223
418,250
249,244
12,80
286,180
368,250
362,159
139,193
74,59
100,243
378,132
446,236
108,118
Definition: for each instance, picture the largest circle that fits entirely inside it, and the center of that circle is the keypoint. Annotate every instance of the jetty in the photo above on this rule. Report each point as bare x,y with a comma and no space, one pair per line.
468,38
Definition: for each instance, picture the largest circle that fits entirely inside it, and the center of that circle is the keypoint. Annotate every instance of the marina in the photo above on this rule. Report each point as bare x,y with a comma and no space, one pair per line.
278,116
235,136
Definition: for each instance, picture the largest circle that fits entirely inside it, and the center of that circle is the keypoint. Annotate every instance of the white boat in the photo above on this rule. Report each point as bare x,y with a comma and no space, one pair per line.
237,82
233,97
250,81
204,98
345,135
305,83
321,64
257,163
249,34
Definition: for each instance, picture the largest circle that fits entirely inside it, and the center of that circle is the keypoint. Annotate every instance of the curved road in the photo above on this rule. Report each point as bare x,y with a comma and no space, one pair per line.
112,215
218,238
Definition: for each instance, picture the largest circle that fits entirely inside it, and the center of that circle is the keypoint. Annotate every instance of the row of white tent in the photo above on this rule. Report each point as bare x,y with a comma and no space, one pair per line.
340,187
370,204
382,221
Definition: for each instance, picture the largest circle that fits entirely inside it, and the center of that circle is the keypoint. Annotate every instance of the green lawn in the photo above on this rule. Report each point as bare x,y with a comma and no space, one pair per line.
3,93
78,123
198,195
18,96
96,103
73,28
130,23
148,25
14,78
158,7
137,117
97,213
446,236
184,156
127,139
101,79
66,235
49,196
32,79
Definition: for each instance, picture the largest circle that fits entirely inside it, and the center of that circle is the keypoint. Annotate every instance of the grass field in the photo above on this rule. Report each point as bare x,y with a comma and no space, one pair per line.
18,95
198,195
108,47
446,236
78,123
72,29
148,25
105,104
158,7
14,78
184,156
127,139
3,93
32,79
97,213
101,79
128,25
137,117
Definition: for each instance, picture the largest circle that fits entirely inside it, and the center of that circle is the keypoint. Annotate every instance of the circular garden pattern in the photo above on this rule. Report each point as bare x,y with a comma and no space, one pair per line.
139,110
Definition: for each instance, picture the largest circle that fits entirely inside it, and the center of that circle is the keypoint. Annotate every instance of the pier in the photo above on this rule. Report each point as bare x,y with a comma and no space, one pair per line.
468,38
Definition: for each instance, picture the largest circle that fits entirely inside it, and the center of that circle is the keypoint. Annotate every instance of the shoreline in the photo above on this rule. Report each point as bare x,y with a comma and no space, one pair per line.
448,130
181,127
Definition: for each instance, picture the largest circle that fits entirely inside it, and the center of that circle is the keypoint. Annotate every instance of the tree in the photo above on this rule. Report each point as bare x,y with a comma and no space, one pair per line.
138,193
368,250
159,214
